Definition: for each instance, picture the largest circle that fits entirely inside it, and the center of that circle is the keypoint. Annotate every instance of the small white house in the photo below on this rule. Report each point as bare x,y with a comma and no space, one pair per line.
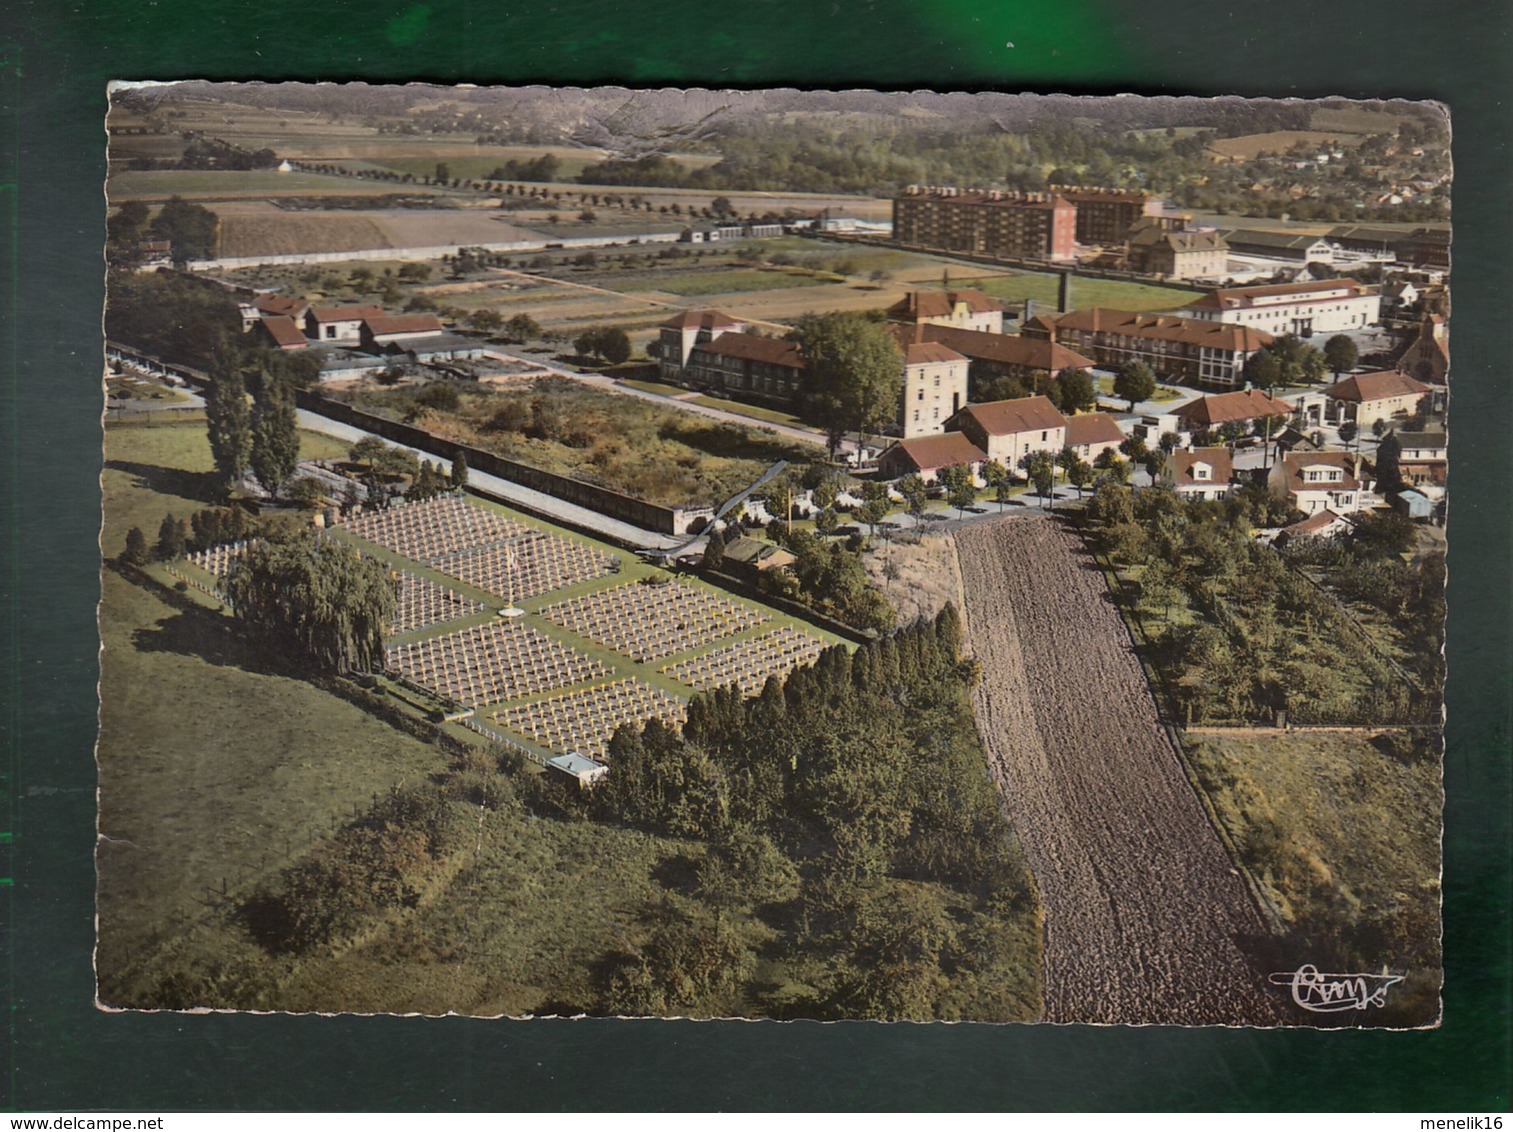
585,770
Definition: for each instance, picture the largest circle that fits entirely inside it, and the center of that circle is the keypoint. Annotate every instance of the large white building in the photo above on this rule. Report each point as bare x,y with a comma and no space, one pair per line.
1324,307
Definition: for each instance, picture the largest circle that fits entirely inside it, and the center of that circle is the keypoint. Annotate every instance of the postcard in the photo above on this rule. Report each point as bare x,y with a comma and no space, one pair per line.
773,555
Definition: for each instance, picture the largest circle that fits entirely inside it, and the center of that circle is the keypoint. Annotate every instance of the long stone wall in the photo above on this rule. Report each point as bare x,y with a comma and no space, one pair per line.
627,508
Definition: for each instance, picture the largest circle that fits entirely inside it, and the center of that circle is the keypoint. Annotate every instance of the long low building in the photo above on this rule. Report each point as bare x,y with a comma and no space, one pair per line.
1322,307
1185,350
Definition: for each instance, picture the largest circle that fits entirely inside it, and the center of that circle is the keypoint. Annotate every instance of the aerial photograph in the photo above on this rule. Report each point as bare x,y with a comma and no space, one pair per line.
773,554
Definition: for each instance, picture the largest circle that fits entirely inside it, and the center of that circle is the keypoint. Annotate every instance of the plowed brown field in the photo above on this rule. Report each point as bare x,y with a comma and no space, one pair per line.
1145,918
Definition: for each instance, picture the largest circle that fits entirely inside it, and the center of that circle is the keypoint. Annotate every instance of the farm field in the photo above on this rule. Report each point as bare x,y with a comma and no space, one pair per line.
1342,832
229,184
1251,146
703,282
1145,920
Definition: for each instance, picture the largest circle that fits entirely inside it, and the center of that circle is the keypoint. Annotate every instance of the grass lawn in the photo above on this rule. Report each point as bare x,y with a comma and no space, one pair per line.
1116,294
730,281
192,184
659,387
1342,830
756,412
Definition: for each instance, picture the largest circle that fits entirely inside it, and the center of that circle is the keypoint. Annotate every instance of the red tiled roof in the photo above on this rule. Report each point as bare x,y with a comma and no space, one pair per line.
700,320
924,353
751,347
1235,298
1294,464
927,453
941,304
291,305
1009,349
1218,459
1020,414
1318,521
1376,386
1242,405
1092,428
345,314
284,331
1166,328
404,324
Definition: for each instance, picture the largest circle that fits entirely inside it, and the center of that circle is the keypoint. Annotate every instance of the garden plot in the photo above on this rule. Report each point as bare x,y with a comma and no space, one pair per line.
583,721
420,603
646,622
488,664
747,664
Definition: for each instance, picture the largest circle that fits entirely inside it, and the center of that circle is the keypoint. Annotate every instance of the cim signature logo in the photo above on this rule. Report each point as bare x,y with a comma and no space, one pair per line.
1325,993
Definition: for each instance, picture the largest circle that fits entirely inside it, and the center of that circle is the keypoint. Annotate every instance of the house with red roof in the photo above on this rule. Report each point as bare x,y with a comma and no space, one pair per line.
964,309
935,381
1010,430
747,366
1188,351
1200,473
1242,408
339,324
926,456
1090,435
392,332
1031,360
1366,398
1322,481
281,332
677,337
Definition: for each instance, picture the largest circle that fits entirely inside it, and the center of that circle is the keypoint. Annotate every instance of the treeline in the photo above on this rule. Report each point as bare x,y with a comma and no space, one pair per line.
1236,633
211,153
543,168
192,230
849,811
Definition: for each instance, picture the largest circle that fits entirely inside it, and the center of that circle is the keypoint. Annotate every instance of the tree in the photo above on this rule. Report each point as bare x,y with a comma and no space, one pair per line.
172,536
722,207
1135,381
484,320
855,372
275,436
443,172
714,550
1389,474
614,346
228,419
1077,391
367,451
1341,354
1262,369
415,272
961,491
137,552
192,229
307,492
875,505
1379,427
459,474
1079,473
1168,442
1041,469
916,495
522,328
316,598
1347,431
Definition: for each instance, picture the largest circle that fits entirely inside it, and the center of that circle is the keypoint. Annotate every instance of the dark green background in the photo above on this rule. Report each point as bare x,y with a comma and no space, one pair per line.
60,1053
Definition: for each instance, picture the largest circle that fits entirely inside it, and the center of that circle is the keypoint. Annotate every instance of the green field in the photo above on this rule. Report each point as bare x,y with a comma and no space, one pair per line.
725,282
210,184
1115,294
1342,833
757,412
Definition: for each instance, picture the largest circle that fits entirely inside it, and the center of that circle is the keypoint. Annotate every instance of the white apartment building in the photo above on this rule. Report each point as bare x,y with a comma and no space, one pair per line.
1324,307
